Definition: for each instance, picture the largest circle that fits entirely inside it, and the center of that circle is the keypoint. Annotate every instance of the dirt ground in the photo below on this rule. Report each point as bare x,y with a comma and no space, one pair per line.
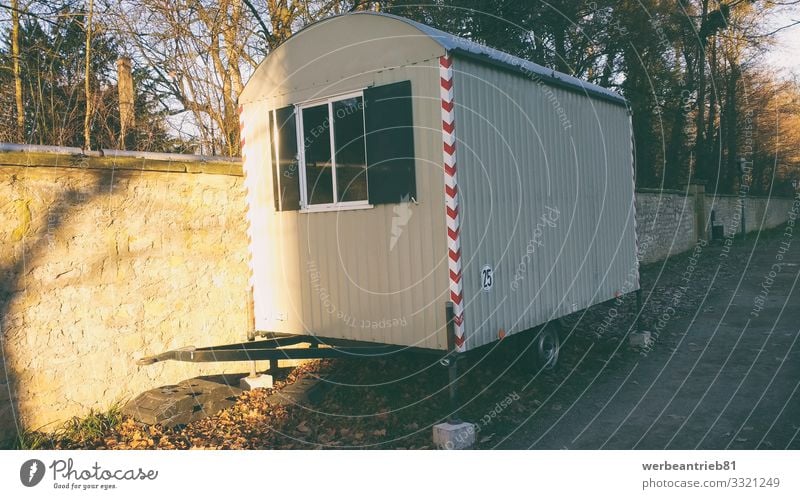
723,371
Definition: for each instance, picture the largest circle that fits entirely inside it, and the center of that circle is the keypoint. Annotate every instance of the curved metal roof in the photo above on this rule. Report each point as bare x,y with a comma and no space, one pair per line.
462,47
459,45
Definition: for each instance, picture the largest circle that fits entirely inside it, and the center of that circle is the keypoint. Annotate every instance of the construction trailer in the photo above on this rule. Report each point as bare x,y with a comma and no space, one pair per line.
410,189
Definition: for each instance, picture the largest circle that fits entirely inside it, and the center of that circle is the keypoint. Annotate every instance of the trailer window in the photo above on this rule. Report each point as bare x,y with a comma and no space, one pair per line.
334,169
351,154
353,150
318,160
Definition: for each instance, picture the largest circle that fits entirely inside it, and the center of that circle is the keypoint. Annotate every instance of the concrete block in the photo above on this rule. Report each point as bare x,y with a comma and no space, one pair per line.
454,436
640,339
260,381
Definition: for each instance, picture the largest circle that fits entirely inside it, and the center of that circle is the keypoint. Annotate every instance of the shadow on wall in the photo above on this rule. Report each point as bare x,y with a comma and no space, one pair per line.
30,241
101,266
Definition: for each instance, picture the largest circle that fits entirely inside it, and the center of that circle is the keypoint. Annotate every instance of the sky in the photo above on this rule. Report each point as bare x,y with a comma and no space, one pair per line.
786,54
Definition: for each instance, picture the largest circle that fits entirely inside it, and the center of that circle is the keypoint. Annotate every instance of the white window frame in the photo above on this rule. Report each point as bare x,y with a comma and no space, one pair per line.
335,206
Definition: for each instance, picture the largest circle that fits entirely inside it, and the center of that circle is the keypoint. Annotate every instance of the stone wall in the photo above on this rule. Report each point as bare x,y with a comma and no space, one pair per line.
665,223
760,212
670,222
101,264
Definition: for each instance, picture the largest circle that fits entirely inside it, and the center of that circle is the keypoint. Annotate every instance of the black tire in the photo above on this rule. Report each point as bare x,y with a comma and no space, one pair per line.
545,348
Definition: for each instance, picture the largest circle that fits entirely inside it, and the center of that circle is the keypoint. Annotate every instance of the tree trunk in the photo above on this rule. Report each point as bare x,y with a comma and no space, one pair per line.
17,72
87,121
676,171
711,157
559,44
732,119
700,146
126,100
281,16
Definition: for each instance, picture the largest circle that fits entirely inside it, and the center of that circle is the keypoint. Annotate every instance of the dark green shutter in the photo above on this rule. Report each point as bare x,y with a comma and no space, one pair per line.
286,169
390,143
274,159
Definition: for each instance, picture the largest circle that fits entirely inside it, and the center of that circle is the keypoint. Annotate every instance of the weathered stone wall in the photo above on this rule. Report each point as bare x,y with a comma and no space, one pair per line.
760,212
668,223
665,223
100,266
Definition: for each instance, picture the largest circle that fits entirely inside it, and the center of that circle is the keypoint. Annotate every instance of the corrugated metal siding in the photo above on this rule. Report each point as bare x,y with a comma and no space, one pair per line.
333,273
516,159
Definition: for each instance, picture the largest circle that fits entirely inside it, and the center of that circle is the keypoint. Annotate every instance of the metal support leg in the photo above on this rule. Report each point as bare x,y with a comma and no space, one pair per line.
452,374
251,315
273,368
638,310
452,359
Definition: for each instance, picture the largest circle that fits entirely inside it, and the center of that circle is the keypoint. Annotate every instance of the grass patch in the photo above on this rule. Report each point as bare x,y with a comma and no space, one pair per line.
78,431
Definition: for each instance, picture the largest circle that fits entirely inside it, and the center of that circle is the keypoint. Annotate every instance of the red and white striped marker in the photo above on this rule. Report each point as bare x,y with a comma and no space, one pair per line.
451,198
247,191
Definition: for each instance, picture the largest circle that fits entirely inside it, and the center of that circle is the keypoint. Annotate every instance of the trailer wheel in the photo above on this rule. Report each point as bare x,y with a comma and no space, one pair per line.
546,346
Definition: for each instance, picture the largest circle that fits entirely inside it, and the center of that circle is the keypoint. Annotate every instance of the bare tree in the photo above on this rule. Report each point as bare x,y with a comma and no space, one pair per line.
87,121
202,51
15,56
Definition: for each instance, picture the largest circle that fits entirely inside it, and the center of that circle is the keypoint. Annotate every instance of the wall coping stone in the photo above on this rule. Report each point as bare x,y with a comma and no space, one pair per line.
749,196
649,190
13,155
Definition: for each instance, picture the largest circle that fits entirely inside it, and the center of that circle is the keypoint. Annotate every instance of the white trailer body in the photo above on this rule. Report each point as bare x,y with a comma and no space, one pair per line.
392,168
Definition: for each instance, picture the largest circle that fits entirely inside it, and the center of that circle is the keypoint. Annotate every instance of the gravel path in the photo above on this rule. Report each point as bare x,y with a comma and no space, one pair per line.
723,372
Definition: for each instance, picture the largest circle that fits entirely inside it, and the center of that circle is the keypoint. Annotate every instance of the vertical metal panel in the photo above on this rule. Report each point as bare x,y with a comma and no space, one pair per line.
525,149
